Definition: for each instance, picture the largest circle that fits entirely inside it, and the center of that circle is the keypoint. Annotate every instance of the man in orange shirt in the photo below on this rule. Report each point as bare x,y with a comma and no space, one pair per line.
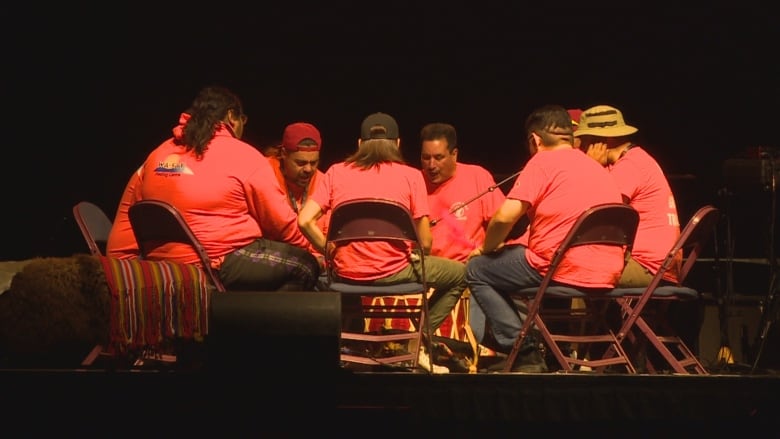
296,165
554,187
297,168
228,194
460,219
606,138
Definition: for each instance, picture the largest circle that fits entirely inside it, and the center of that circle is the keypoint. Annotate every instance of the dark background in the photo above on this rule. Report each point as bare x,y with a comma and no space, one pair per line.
89,92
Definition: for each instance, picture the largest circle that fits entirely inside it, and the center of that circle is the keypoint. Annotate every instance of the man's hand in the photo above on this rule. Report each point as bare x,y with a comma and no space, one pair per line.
598,152
476,252
479,251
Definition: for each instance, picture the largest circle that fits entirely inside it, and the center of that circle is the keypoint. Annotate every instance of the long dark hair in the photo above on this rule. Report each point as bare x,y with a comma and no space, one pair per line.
206,112
372,152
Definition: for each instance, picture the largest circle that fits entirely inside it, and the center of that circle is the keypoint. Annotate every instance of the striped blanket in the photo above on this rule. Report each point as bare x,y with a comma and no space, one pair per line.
153,301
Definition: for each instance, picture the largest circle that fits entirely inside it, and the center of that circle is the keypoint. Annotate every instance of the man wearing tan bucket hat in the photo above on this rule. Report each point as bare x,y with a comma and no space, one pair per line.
606,137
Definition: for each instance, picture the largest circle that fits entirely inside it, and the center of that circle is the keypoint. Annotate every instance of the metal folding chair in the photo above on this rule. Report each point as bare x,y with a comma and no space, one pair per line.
380,220
611,224
94,225
654,327
156,222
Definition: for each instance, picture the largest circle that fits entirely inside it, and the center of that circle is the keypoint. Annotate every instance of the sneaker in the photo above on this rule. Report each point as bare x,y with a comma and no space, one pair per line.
424,361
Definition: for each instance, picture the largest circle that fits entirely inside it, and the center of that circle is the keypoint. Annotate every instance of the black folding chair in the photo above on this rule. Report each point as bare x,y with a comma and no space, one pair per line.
94,224
156,222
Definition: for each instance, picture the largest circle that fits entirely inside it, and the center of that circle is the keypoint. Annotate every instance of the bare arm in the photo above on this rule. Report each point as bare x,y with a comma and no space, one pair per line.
307,222
500,225
424,233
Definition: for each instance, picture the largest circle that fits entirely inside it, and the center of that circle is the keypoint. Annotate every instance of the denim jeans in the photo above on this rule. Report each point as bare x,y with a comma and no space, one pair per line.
477,320
489,278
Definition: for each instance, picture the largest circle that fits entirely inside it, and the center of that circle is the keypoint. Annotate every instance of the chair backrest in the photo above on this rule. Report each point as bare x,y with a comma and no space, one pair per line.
693,237
604,224
609,224
372,219
696,234
94,224
156,222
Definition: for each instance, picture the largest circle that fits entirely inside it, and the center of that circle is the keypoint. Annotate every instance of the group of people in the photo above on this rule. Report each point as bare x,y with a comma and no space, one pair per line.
263,219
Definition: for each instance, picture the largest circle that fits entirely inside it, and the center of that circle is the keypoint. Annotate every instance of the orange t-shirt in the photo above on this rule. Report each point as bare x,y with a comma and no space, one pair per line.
121,240
640,178
297,195
390,181
461,228
560,185
229,197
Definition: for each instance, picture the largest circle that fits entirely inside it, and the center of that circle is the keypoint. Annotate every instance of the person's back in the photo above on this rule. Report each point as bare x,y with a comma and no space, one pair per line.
390,181
227,193
557,184
209,187
377,170
552,183
207,193
607,138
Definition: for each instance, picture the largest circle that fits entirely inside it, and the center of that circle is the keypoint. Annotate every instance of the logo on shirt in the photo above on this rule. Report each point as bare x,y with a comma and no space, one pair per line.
458,210
172,165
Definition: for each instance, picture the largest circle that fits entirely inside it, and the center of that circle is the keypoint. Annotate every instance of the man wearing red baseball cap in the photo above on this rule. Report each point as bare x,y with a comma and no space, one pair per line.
296,167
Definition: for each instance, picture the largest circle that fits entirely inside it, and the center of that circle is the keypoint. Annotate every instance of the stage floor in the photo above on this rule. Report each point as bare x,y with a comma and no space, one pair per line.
263,400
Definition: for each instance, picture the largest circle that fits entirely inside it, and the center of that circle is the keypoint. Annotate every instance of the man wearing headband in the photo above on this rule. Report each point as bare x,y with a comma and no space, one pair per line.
554,187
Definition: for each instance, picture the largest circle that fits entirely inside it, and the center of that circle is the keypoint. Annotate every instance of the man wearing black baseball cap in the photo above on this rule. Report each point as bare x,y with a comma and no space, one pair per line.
378,170
379,126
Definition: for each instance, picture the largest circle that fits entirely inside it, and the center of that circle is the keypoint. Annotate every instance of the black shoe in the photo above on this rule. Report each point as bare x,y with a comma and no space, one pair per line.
492,364
530,361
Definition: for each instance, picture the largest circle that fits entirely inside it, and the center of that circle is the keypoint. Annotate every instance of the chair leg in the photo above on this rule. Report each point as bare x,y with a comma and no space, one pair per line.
92,356
466,299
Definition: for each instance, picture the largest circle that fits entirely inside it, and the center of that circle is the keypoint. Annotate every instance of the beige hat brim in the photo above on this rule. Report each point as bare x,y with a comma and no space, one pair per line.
617,131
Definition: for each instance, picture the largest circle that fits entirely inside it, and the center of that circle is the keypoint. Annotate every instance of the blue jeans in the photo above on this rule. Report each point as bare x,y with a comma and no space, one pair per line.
489,278
477,320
